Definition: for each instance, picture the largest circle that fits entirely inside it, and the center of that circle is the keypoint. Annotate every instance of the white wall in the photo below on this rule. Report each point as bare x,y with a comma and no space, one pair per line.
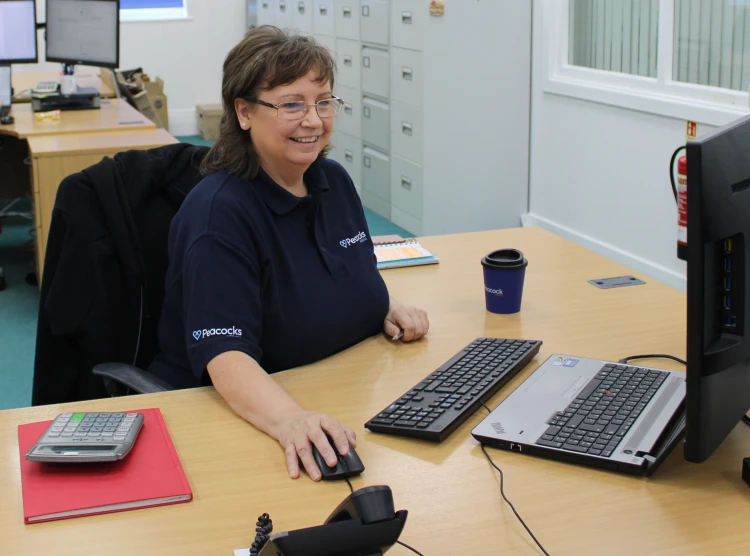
599,176
187,54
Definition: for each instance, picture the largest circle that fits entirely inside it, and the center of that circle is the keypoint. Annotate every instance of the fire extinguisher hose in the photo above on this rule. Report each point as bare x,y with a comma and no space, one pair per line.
671,170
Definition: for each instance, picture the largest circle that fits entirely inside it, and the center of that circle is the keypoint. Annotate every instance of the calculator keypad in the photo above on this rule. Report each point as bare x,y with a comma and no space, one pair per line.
91,427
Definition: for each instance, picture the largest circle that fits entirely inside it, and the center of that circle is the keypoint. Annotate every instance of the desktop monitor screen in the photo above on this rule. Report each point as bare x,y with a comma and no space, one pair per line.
84,32
18,32
718,348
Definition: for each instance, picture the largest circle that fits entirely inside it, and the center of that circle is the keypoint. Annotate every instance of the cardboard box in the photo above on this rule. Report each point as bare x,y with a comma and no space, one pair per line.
160,105
209,118
144,105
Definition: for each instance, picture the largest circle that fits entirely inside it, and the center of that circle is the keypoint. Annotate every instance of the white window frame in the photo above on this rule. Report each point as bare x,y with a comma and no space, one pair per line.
155,14
661,95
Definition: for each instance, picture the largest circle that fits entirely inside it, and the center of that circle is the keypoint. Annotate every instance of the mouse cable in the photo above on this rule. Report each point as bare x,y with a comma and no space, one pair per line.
626,360
502,491
343,462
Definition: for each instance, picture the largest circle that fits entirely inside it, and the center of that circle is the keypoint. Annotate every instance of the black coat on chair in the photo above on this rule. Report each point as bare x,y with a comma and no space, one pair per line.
104,268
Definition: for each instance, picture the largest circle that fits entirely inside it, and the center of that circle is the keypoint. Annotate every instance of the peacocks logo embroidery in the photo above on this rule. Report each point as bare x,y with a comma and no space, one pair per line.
361,237
208,332
498,292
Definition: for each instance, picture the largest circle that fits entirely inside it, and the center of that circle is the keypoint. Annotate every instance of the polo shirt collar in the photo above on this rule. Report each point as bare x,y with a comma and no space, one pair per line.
281,201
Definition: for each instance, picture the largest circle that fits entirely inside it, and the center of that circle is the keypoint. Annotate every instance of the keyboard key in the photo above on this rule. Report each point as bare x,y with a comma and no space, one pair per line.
575,448
549,444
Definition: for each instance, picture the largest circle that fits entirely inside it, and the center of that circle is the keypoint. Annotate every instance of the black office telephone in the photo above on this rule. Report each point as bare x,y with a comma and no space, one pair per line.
364,524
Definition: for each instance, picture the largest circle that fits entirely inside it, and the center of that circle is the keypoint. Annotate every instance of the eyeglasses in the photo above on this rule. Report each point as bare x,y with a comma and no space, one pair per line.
297,110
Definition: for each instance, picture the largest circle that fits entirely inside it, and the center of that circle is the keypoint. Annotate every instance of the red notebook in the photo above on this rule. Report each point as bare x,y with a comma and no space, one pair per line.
151,475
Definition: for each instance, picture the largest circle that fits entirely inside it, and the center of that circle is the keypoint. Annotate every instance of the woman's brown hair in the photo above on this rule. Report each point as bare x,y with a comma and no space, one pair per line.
266,58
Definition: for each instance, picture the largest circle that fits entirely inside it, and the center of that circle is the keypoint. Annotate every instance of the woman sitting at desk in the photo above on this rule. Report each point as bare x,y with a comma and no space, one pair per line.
271,263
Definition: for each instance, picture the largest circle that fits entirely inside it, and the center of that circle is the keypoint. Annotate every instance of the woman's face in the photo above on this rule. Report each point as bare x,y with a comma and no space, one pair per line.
281,142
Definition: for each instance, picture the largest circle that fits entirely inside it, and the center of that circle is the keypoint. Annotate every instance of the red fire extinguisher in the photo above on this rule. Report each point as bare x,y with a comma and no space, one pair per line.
680,197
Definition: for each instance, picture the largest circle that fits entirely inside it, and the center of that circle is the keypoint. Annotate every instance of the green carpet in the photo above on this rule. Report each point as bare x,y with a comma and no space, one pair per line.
19,302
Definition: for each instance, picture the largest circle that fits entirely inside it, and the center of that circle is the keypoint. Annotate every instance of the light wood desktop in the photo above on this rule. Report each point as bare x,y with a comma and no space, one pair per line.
54,157
24,81
450,490
114,115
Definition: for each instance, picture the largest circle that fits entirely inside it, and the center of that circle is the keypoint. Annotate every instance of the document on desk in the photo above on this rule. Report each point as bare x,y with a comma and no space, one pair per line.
242,552
403,253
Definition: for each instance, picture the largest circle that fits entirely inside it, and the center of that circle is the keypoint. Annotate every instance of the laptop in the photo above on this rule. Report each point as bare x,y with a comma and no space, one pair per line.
614,416
5,91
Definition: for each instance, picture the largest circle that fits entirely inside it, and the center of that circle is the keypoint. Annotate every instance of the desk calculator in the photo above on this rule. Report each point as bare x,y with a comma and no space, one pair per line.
87,437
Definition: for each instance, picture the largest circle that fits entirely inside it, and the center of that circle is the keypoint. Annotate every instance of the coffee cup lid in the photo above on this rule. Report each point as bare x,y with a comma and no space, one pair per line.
505,259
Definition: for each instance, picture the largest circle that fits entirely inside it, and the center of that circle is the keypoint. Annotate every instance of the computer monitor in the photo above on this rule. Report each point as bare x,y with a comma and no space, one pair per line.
718,347
18,32
84,32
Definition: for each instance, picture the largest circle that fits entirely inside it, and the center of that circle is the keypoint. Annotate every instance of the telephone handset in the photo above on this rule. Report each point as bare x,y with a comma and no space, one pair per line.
364,523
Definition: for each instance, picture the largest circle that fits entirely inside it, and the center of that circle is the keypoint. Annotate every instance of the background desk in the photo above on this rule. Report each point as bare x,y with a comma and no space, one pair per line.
24,81
57,149
450,490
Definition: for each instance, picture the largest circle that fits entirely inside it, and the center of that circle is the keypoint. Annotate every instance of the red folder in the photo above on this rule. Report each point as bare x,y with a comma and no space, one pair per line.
150,475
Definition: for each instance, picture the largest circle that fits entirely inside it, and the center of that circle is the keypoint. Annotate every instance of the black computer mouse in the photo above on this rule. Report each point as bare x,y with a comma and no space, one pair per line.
7,120
347,466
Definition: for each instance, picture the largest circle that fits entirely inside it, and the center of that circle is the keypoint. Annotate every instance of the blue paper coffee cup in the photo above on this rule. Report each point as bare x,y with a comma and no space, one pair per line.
504,272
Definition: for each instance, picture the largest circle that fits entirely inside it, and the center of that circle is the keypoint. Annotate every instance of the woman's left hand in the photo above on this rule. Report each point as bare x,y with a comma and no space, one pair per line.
411,321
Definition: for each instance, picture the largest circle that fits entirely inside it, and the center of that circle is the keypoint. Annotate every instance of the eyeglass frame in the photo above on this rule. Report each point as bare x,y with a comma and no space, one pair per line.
307,107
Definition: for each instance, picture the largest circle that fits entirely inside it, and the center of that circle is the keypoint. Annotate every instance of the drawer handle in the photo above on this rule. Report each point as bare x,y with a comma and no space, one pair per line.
406,128
282,6
347,60
347,10
366,61
366,111
365,11
407,74
348,109
406,18
349,155
367,161
323,9
265,5
406,183
301,7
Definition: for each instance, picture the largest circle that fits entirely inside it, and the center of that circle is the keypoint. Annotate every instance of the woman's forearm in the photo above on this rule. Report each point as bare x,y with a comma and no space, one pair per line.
250,391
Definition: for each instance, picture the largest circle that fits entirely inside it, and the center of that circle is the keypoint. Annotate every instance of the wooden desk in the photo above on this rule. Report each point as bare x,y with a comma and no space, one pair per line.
450,490
114,115
24,81
54,157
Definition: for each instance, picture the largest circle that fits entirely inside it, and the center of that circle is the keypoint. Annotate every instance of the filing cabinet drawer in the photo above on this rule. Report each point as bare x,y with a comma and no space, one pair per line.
323,17
407,132
376,173
283,14
266,12
407,79
376,122
347,19
328,42
375,71
347,151
350,119
406,186
375,21
408,20
348,59
302,14
407,221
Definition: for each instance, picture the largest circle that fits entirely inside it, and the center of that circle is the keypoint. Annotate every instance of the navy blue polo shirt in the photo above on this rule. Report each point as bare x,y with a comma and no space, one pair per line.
287,280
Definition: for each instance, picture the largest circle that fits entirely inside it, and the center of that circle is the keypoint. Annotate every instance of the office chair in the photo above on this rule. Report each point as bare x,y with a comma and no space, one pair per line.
104,271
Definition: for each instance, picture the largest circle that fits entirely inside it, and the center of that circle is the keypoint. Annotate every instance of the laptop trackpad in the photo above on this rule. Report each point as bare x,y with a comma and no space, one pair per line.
555,381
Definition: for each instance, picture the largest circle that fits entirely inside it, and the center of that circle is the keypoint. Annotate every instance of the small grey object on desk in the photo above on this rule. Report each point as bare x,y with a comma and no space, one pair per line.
618,282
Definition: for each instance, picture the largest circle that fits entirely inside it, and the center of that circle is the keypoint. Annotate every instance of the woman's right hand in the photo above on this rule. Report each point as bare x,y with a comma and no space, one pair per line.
298,431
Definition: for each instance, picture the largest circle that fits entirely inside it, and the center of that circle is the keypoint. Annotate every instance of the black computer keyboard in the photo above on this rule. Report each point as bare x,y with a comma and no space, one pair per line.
600,416
436,406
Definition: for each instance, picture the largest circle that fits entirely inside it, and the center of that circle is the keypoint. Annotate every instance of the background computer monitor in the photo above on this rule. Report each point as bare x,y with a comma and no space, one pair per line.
18,32
84,32
718,349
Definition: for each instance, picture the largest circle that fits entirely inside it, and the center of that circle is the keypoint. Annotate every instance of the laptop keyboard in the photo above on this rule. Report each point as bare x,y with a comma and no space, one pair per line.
444,399
602,414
